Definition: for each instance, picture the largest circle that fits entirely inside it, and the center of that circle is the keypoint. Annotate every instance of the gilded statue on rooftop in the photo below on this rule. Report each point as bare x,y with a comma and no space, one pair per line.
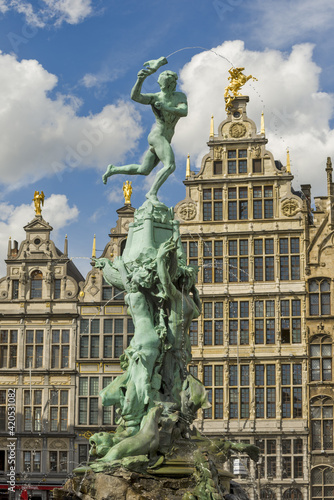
38,200
127,191
237,79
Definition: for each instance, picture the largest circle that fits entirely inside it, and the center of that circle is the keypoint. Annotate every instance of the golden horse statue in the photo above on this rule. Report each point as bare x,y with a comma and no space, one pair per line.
237,80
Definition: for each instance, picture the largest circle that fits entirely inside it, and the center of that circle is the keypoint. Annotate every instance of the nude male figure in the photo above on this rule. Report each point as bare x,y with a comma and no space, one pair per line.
168,107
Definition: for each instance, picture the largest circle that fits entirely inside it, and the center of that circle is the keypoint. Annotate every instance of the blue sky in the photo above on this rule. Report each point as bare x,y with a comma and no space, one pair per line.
66,72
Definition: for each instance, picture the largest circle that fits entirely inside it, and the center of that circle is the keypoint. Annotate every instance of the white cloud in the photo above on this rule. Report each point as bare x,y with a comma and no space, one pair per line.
56,210
57,11
41,136
282,23
70,11
297,113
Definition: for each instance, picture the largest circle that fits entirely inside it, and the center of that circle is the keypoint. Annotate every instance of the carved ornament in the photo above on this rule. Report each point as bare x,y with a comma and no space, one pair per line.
58,444
187,211
218,153
237,130
290,208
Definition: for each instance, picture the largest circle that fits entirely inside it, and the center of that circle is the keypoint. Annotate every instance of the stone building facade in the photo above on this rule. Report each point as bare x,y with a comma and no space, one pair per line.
262,346
38,329
246,228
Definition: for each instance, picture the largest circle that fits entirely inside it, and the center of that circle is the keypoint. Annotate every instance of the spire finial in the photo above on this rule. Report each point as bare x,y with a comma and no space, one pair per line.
262,124
94,247
188,167
66,245
288,166
212,132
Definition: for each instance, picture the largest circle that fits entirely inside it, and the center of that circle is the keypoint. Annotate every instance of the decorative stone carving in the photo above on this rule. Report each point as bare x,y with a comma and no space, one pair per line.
290,208
218,153
237,130
187,211
32,444
58,444
60,380
256,150
93,290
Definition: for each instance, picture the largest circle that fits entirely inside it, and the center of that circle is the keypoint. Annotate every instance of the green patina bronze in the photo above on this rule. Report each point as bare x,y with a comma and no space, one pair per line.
156,397
168,107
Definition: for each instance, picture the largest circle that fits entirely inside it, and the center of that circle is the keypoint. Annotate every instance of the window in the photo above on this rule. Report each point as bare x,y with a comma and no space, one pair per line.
8,348
238,260
267,469
15,289
322,423
263,203
322,483
32,461
89,338
58,410
238,203
213,323
83,454
212,261
289,259
3,409
107,418
60,348
212,204
239,393
88,400
238,322
193,370
106,290
190,249
193,333
292,494
292,391
58,461
320,297
292,458
290,321
265,391
217,167
237,161
34,348
36,285
264,322
321,358
264,259
257,166
213,381
32,411
57,289
267,494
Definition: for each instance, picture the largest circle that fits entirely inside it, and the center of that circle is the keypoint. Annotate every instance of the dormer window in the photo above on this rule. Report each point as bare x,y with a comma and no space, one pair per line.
237,161
36,285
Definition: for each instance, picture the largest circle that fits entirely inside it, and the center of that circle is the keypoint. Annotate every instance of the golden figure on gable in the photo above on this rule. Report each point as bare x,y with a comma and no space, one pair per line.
127,191
237,79
38,200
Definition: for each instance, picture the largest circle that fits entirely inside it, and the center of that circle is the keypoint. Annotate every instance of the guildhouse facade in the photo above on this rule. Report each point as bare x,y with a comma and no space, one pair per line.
263,345
246,228
38,322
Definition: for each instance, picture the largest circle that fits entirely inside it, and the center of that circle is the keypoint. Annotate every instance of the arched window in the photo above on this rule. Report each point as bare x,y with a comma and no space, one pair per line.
322,482
322,423
267,494
320,297
321,358
36,285
292,494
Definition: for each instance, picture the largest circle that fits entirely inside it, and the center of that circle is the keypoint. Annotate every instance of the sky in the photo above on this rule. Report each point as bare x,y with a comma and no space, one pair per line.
67,68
